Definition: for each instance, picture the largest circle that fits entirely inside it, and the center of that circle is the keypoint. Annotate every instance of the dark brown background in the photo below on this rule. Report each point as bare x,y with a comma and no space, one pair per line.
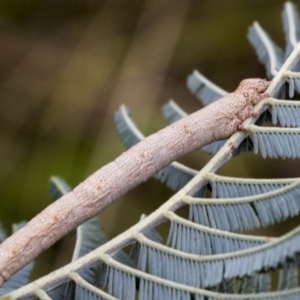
66,66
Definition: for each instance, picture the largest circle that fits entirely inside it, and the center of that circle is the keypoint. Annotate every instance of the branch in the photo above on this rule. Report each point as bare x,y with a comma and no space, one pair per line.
216,121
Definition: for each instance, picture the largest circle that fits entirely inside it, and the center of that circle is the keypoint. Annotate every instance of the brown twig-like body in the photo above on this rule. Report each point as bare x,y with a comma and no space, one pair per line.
216,121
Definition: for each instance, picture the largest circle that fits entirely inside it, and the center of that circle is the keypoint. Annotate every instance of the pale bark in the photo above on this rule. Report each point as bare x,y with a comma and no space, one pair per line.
214,122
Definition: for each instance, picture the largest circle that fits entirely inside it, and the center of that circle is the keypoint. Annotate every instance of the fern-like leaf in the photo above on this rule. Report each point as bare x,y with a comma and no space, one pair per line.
230,187
287,113
267,51
288,278
276,142
189,237
174,265
204,89
173,112
257,283
246,213
291,26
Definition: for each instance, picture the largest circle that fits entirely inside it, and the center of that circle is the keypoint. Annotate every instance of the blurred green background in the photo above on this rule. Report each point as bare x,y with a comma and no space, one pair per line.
66,66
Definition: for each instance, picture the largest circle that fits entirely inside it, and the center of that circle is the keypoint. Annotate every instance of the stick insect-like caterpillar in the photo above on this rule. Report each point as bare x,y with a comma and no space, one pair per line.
216,121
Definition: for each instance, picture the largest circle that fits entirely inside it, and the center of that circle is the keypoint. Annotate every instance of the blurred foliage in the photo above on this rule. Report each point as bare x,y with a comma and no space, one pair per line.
66,66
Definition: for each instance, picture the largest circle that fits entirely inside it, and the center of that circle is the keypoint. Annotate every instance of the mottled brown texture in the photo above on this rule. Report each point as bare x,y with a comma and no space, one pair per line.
218,120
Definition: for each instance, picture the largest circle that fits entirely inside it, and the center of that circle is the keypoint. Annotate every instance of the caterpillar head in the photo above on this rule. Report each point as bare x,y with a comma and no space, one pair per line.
253,84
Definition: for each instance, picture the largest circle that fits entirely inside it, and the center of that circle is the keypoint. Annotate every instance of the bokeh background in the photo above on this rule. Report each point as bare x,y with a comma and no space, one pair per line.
66,66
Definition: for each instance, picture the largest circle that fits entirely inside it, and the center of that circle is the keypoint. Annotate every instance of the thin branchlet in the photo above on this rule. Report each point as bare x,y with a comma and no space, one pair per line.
218,120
